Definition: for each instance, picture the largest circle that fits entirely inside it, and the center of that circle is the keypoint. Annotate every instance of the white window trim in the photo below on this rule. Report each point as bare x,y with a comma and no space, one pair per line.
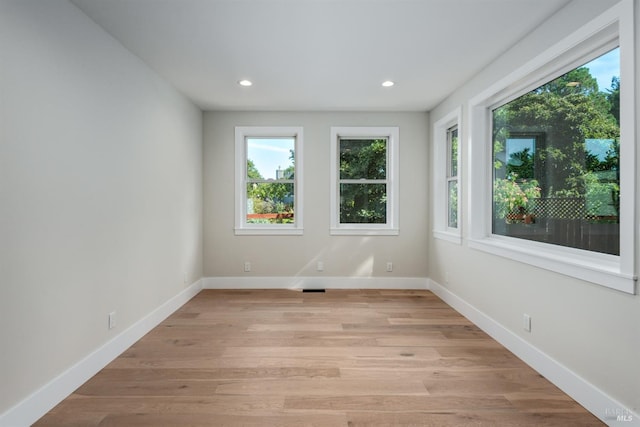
441,229
616,272
241,226
393,210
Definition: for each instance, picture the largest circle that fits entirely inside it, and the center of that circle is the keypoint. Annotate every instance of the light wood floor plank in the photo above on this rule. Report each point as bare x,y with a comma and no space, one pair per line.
205,420
341,358
462,418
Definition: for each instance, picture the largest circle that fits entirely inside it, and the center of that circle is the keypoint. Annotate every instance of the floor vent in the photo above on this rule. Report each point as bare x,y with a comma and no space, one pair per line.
313,290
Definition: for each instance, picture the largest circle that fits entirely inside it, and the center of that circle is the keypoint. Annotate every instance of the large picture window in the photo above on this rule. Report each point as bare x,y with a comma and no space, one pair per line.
556,154
268,176
364,182
553,163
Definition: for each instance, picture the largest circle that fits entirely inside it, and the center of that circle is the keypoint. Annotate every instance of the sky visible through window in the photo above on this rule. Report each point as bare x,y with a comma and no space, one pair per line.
269,154
604,68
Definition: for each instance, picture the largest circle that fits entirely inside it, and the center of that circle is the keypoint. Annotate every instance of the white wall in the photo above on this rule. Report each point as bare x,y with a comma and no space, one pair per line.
344,256
100,191
590,329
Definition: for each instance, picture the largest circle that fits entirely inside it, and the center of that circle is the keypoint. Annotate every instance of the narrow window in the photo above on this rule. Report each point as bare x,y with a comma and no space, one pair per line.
452,177
446,177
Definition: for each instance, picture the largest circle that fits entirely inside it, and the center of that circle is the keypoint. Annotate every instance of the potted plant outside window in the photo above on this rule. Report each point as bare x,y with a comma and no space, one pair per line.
515,199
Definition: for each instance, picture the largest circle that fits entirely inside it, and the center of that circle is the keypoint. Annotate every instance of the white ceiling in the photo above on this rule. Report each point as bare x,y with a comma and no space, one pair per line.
316,55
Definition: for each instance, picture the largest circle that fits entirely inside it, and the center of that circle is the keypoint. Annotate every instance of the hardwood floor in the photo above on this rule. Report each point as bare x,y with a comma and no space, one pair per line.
340,358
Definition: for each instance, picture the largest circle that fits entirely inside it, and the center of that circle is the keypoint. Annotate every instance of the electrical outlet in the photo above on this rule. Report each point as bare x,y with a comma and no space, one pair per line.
112,320
526,322
247,266
389,266
320,266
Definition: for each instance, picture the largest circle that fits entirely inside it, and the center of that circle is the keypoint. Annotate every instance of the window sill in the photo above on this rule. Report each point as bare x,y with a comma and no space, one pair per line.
601,269
448,236
269,231
364,231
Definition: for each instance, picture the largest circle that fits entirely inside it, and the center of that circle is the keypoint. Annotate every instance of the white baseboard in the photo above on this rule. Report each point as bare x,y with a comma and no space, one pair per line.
314,282
607,409
43,400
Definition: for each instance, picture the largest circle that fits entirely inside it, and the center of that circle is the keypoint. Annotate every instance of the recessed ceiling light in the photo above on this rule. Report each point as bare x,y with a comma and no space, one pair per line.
245,83
387,83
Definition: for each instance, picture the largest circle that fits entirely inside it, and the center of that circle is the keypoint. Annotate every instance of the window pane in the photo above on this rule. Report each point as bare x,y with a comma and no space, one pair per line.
270,203
453,204
452,141
556,160
363,159
519,156
363,203
270,158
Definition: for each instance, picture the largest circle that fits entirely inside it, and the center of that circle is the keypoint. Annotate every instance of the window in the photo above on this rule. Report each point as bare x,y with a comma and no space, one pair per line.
446,190
553,157
364,184
556,160
452,177
268,180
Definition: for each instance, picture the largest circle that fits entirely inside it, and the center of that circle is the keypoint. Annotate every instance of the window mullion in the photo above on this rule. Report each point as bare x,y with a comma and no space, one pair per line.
363,181
270,181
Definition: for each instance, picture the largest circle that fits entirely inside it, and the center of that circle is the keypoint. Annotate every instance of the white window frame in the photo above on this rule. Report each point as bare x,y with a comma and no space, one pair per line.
441,162
613,27
392,134
241,135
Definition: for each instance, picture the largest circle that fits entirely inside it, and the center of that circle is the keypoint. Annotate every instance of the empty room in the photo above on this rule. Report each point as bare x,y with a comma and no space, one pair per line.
319,212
